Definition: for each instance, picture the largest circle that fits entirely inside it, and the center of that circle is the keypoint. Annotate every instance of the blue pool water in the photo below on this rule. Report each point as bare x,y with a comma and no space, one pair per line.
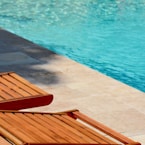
108,35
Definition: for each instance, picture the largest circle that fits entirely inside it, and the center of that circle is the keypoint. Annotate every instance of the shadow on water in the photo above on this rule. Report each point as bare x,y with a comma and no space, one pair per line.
11,43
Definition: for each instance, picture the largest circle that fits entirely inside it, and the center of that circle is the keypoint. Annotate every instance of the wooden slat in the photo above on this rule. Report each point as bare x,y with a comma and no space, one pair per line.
55,128
76,133
25,130
8,130
5,73
37,128
20,85
70,131
1,98
27,83
48,120
84,130
48,128
14,87
4,141
4,95
28,129
9,92
87,131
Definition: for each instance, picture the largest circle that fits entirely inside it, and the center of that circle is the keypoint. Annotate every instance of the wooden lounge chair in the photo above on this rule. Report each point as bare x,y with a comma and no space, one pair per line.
71,127
17,93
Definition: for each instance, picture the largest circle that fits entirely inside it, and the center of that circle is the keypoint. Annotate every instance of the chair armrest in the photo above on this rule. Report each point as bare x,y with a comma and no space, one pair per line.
104,128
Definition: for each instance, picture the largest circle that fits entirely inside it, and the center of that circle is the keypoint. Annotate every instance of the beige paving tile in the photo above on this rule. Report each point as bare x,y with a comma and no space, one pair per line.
137,101
140,138
129,122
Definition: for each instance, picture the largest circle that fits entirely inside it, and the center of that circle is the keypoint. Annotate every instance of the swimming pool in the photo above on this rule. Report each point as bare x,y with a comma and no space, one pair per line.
107,35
